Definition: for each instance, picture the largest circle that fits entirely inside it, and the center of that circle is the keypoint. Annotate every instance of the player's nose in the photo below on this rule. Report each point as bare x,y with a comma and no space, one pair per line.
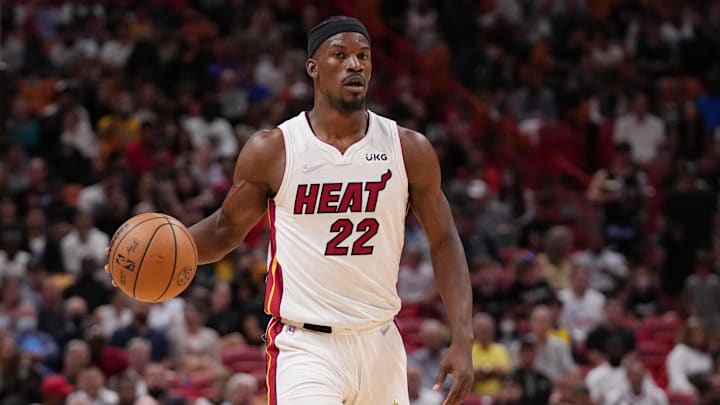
354,64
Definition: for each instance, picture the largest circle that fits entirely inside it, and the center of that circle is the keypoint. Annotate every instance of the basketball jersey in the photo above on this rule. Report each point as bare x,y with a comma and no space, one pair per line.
337,227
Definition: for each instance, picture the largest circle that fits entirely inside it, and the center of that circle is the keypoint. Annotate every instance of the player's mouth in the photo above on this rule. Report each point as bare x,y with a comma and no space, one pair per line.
355,84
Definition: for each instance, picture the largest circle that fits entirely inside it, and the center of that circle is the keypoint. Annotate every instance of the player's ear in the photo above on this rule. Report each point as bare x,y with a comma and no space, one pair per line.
311,68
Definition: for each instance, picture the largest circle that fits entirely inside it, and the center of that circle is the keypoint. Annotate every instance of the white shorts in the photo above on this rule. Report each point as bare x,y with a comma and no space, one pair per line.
344,367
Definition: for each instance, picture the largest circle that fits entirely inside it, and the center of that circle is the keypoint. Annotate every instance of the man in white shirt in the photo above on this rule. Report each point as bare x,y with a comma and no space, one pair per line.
636,388
644,131
84,241
607,269
582,306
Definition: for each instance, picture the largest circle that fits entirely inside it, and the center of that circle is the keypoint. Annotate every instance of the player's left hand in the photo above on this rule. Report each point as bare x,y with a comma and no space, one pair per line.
458,362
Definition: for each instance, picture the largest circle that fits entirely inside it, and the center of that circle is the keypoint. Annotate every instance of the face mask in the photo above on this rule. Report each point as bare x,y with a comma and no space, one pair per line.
26,324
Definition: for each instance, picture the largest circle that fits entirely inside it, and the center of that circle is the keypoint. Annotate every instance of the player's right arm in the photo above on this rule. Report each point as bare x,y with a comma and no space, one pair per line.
258,174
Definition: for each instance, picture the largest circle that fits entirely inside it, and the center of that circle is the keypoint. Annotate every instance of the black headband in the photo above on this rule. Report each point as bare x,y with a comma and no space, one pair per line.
333,25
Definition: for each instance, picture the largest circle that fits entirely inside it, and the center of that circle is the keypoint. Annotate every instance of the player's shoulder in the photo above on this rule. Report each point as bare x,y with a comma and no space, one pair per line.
265,143
414,142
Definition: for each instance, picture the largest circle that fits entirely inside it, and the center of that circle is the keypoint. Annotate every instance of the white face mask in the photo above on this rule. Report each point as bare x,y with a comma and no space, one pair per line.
26,324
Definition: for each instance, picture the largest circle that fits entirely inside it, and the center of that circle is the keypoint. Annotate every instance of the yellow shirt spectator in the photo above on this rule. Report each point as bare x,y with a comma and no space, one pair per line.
492,360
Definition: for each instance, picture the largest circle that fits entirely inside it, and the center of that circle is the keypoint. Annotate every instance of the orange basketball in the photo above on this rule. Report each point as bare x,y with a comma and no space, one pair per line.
153,257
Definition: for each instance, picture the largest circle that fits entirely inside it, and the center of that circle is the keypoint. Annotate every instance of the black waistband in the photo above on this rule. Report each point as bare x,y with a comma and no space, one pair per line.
317,328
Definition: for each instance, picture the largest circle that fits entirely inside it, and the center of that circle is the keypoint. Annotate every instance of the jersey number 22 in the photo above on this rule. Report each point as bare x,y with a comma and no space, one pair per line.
344,228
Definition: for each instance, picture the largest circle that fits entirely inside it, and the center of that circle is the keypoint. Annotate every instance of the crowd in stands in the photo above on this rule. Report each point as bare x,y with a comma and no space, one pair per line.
580,147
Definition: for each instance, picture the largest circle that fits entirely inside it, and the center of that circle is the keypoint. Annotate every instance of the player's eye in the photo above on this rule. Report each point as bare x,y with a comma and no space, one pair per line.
363,56
339,55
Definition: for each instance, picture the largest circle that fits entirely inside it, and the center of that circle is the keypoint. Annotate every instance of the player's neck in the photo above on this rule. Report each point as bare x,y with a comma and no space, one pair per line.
333,126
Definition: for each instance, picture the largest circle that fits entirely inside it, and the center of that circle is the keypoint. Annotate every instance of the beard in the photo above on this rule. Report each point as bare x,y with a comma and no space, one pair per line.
347,106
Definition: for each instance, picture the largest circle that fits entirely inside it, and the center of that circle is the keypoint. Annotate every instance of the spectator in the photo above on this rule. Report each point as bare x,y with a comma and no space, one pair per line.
83,242
20,376
641,129
95,198
553,357
211,129
416,282
555,262
702,291
55,390
75,358
582,306
620,190
433,335
530,288
138,354
607,269
116,314
491,361
635,389
51,314
44,250
535,387
689,208
611,329
124,386
33,341
10,301
156,381
13,260
644,295
689,357
76,319
489,295
222,318
419,394
240,389
88,286
217,393
197,340
91,387
139,328
609,374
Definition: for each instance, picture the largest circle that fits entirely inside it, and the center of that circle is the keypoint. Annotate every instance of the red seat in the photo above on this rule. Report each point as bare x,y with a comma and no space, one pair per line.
235,353
410,325
660,328
246,366
474,399
680,398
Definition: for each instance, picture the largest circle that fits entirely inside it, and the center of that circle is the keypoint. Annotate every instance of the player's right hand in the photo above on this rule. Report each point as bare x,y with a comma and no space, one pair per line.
107,266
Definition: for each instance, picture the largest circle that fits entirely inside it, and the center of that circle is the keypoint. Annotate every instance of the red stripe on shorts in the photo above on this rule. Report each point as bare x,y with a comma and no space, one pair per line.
271,354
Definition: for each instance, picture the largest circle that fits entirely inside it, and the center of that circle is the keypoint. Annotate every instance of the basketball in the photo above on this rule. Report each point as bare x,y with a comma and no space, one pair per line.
153,257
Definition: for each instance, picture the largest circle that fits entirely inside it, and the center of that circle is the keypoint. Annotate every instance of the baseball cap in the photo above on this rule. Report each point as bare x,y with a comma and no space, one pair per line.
56,385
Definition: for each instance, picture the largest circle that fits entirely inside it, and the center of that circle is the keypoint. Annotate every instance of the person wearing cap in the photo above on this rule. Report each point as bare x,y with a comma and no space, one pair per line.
55,389
337,183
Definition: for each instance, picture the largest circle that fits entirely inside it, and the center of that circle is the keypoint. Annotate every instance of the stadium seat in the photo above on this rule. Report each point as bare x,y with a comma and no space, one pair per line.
680,398
242,352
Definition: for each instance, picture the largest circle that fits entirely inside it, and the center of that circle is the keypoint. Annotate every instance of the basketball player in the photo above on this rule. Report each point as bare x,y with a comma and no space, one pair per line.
336,183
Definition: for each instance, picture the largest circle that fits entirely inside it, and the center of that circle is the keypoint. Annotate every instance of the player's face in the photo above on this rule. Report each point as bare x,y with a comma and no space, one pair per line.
341,68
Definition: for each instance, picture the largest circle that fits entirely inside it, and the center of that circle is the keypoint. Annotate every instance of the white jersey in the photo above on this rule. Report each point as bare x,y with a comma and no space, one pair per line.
337,227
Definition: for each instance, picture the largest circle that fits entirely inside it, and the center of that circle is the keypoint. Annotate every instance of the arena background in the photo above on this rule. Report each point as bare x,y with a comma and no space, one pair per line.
579,146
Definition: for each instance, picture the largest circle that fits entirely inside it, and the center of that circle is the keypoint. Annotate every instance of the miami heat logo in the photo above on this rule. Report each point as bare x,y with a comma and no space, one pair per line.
338,198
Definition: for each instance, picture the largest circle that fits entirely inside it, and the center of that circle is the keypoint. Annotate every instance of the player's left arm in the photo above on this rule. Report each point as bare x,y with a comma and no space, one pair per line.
448,258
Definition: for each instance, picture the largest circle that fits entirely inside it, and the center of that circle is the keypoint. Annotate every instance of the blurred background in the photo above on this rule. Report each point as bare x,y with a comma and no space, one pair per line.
580,147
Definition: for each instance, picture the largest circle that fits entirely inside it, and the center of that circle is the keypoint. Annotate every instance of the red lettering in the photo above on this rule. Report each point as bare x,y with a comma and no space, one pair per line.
374,187
305,200
351,199
329,196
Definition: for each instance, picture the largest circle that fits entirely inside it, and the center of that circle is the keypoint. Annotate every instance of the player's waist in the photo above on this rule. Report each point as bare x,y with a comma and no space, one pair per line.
337,329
